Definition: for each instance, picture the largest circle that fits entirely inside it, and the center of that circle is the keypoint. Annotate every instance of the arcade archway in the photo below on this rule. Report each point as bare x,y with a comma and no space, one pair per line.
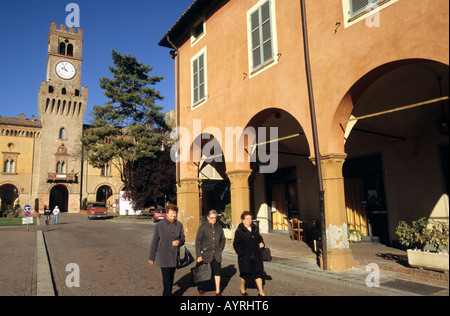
397,163
286,192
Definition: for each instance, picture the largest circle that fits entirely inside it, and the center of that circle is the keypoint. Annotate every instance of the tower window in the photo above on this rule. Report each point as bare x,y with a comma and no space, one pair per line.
61,167
70,50
62,133
9,167
64,91
62,48
77,92
51,89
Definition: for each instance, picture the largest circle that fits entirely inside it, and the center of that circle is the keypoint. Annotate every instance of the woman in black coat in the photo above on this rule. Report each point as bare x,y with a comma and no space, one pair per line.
209,245
167,239
248,244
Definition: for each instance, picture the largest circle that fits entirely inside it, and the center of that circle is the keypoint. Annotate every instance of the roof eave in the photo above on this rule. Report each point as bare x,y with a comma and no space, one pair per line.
183,24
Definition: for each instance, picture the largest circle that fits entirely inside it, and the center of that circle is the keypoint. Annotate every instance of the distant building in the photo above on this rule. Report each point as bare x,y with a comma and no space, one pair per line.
43,158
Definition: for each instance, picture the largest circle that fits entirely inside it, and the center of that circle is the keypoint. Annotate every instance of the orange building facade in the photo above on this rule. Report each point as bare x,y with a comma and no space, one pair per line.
380,84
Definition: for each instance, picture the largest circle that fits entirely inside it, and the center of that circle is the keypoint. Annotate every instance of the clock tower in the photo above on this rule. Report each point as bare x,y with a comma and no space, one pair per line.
61,106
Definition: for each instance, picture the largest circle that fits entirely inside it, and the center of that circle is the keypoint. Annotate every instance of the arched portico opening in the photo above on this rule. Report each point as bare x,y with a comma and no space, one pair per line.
397,156
214,183
277,195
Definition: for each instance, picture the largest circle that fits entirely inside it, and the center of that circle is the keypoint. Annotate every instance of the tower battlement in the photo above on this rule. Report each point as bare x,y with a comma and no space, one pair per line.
64,28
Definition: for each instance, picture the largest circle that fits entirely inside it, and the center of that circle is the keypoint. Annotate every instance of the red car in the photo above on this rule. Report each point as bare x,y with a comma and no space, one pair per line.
97,210
159,214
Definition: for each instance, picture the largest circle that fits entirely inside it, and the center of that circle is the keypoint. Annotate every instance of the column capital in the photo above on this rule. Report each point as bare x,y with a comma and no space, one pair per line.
239,172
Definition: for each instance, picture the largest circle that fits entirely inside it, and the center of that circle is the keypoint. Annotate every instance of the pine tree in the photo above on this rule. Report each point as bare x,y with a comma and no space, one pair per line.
130,126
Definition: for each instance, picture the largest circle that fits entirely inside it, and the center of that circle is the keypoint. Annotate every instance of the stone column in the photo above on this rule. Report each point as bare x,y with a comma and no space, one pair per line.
339,254
240,193
189,207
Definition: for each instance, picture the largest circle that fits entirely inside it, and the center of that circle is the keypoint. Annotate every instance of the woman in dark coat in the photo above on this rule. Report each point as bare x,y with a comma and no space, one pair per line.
248,244
209,245
168,238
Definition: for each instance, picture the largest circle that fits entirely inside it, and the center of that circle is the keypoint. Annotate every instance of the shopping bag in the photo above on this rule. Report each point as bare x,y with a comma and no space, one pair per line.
201,273
186,260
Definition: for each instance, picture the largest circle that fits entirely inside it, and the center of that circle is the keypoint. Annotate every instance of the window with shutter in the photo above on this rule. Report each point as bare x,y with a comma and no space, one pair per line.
357,6
262,37
359,10
363,6
199,86
261,32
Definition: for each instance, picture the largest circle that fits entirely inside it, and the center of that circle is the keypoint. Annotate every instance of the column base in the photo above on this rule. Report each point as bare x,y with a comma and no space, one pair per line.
339,260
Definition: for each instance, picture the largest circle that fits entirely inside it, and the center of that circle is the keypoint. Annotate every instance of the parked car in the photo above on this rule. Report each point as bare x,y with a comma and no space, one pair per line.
97,210
159,214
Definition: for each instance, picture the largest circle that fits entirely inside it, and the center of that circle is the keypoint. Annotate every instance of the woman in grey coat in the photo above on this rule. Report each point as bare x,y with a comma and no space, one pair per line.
167,239
209,245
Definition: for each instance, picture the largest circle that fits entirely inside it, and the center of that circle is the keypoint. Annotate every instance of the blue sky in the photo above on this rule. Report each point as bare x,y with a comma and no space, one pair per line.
131,27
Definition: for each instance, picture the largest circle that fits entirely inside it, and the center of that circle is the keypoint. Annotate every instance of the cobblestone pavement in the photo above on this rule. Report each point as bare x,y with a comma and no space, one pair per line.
112,260
17,261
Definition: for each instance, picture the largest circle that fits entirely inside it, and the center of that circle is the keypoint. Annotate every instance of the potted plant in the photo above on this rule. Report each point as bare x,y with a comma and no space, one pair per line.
422,234
355,235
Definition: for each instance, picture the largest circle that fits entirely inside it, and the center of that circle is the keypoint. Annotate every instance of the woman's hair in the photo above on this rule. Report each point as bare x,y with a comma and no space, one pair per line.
172,208
245,214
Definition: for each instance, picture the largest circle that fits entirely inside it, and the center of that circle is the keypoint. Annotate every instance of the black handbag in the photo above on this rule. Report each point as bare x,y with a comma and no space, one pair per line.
201,273
186,260
266,254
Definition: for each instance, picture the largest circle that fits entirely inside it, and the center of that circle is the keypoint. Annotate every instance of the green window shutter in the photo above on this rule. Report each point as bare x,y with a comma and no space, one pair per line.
198,71
262,44
358,6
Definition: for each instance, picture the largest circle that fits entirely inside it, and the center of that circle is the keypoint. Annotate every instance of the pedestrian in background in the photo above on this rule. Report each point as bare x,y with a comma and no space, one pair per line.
47,214
55,215
167,239
248,243
209,246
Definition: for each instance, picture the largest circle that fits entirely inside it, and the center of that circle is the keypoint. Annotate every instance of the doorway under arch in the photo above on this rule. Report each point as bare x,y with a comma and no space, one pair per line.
59,196
8,196
104,194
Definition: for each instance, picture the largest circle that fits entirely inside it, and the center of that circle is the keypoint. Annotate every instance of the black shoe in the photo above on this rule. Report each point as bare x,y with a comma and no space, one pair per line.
244,294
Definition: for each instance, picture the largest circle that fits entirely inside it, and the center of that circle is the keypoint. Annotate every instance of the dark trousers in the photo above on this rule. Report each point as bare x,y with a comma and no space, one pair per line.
168,276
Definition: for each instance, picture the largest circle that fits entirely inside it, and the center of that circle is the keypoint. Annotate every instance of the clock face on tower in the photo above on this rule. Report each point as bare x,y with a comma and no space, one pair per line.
65,70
